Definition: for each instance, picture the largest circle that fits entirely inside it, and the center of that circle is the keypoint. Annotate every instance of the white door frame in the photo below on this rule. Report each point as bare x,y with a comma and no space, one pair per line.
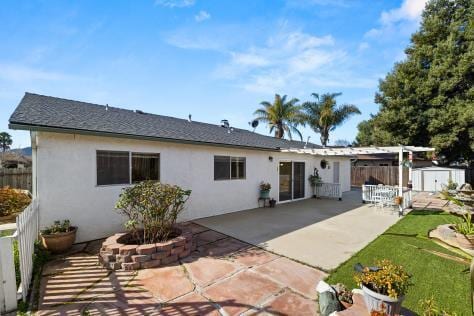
338,171
292,180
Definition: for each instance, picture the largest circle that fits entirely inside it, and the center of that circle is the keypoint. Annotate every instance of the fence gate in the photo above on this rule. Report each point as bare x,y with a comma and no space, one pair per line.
27,230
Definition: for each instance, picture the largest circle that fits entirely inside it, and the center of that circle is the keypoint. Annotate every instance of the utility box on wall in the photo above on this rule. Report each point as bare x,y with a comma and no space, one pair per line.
432,179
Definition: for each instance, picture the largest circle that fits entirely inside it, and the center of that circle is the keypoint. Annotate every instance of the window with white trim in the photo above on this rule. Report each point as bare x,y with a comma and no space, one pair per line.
124,167
229,168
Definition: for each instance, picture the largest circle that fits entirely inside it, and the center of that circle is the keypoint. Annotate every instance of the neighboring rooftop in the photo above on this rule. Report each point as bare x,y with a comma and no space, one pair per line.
39,112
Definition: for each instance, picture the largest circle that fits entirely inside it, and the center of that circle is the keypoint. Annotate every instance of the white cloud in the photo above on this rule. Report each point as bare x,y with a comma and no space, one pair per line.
409,10
305,3
363,46
14,72
175,3
202,16
403,20
286,59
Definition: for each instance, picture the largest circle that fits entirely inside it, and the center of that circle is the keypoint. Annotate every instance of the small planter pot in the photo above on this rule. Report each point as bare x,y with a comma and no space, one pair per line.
264,194
272,203
59,243
380,302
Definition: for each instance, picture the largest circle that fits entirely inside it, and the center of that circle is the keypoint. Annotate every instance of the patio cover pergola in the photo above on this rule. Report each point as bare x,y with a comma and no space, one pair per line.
352,151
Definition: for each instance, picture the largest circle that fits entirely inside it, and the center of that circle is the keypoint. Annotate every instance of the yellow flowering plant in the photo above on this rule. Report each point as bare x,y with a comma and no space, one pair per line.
389,279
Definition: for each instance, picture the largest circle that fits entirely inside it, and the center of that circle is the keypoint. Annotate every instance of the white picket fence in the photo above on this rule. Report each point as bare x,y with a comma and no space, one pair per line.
332,190
372,194
27,230
27,224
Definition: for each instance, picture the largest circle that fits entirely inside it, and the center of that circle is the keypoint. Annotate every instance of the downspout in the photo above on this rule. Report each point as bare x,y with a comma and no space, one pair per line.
34,164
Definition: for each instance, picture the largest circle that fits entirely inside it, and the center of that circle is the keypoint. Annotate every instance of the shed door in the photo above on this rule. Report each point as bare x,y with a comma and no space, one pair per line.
433,180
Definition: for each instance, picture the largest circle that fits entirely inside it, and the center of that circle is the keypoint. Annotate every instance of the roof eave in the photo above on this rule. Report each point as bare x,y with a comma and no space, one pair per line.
32,127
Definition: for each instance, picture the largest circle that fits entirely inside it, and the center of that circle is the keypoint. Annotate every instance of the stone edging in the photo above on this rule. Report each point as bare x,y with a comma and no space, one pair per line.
445,233
115,255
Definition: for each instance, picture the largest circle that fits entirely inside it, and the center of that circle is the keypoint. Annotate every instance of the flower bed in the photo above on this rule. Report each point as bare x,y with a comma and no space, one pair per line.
119,251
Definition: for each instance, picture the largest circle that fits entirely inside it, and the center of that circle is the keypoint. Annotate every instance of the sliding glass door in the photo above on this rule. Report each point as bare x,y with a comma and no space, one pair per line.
286,181
292,180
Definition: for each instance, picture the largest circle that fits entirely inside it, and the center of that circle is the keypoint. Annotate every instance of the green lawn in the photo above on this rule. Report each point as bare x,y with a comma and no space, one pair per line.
406,243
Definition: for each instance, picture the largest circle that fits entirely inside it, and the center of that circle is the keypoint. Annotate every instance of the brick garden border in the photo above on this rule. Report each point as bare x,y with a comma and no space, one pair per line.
115,254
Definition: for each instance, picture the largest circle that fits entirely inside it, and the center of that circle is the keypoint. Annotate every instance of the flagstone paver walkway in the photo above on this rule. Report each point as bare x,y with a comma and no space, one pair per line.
224,276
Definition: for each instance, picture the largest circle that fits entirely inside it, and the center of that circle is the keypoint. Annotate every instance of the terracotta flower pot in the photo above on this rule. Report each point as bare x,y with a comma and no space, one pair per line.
58,243
379,302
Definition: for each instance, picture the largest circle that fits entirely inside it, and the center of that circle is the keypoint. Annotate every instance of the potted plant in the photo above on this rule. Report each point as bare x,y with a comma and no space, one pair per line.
398,200
265,190
384,286
58,237
465,232
315,181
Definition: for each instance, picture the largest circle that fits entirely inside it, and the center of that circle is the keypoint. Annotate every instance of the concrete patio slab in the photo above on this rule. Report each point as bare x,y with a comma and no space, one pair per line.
173,282
288,303
298,277
242,292
193,304
205,270
253,256
224,277
320,232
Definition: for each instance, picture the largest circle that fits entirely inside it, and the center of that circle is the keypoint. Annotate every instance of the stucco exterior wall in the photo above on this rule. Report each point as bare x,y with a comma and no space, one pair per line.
67,189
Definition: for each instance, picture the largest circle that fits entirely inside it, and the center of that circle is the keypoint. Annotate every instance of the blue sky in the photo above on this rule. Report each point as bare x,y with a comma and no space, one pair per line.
214,59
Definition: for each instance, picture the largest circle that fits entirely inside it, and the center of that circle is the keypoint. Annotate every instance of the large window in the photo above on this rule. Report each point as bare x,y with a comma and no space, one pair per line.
227,168
123,167
145,167
113,167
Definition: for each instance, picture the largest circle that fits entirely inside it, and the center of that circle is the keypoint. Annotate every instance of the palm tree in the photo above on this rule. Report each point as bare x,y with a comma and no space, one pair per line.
324,115
282,116
5,141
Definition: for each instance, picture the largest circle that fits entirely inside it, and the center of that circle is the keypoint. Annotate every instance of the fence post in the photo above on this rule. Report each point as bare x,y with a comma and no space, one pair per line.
8,299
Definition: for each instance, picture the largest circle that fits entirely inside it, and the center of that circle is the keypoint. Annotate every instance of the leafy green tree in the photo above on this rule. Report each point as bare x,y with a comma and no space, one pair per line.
5,141
428,99
324,115
282,116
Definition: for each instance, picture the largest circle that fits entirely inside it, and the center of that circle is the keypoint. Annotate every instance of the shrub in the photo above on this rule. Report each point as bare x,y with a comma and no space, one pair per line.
451,185
466,227
12,201
57,228
152,209
389,279
315,180
430,308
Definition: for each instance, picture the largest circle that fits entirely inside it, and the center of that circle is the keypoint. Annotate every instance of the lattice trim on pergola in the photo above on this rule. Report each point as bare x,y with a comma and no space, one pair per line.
352,151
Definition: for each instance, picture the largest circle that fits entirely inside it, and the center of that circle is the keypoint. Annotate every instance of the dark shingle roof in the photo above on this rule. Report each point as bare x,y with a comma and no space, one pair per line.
39,111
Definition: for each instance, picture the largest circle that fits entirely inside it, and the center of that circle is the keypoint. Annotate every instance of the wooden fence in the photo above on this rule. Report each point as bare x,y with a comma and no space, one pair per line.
387,175
16,178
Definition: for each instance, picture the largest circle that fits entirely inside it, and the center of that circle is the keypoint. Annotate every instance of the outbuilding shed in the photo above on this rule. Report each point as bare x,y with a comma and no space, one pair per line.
432,179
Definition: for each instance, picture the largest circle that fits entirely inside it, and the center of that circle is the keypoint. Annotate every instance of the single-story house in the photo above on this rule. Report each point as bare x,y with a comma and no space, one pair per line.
14,160
84,154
